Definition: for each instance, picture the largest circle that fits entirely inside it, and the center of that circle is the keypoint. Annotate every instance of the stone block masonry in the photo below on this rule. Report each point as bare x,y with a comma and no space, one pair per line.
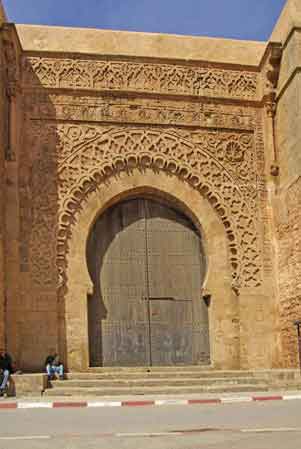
89,118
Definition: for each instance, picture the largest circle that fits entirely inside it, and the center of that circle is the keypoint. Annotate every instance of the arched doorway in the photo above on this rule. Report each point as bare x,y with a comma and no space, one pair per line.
147,263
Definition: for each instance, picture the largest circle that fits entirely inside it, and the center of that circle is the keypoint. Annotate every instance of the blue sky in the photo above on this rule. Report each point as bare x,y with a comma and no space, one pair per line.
241,19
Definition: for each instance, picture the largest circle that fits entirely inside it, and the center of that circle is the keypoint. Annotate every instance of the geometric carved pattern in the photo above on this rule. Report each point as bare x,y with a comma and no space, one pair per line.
137,76
218,164
38,208
44,200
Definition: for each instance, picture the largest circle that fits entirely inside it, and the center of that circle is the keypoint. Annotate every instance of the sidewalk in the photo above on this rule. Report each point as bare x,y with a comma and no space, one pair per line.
145,400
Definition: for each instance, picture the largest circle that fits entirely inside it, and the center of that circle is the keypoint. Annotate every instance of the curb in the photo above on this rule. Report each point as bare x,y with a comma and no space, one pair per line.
95,404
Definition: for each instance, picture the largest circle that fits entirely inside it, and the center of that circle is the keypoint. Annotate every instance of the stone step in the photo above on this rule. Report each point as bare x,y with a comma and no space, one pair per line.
112,369
153,382
171,380
194,374
166,390
159,375
191,368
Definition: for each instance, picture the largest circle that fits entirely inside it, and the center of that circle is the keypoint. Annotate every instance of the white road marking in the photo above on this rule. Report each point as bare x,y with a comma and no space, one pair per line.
96,404
237,399
104,404
172,402
291,397
31,437
35,405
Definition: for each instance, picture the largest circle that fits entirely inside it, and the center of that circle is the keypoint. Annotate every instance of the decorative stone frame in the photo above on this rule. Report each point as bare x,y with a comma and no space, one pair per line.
90,156
224,309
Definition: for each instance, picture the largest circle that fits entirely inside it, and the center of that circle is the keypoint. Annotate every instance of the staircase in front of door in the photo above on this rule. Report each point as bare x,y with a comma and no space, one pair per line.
170,380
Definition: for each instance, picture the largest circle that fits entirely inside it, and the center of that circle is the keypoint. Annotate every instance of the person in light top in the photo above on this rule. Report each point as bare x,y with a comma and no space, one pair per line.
54,367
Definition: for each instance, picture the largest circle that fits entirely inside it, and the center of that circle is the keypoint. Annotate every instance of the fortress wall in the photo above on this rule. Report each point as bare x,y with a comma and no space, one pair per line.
287,198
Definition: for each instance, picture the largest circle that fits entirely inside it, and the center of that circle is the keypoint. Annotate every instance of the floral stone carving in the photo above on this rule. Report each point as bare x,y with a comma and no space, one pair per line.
137,76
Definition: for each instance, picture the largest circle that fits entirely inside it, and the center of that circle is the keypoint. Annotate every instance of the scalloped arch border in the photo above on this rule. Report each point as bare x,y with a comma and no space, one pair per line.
89,185
128,161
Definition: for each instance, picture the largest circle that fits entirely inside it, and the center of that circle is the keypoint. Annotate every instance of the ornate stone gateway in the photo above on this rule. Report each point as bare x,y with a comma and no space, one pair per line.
147,265
106,137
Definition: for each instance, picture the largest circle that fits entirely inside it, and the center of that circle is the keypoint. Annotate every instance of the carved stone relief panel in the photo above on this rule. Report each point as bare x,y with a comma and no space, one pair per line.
159,78
265,218
139,110
220,165
39,205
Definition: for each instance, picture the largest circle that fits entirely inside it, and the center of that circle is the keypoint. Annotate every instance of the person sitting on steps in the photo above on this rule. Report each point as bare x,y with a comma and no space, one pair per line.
54,366
6,369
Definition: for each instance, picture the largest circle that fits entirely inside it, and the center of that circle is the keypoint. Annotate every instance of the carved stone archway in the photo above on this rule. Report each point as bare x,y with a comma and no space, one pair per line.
224,326
218,165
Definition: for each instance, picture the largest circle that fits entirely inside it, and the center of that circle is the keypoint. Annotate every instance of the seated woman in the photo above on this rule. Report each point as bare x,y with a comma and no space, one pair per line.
54,366
6,369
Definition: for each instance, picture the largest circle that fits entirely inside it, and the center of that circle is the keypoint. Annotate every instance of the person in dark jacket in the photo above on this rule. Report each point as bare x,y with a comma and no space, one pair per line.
6,368
54,366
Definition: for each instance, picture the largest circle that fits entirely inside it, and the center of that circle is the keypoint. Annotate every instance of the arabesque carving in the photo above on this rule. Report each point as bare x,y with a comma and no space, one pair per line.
146,77
139,110
217,164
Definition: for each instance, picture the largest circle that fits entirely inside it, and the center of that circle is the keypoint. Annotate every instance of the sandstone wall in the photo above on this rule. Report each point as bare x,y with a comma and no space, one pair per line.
287,196
2,183
91,120
31,313
37,305
86,125
15,308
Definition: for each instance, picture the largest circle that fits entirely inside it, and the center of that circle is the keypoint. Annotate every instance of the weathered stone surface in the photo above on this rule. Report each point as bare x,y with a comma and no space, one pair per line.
27,384
2,185
289,19
96,116
286,199
289,234
142,45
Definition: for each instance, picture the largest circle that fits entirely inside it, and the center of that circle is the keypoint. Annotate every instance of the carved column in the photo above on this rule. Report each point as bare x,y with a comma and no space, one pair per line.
270,73
12,123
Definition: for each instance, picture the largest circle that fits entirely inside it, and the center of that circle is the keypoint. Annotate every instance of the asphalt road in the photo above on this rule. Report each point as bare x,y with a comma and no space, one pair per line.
274,425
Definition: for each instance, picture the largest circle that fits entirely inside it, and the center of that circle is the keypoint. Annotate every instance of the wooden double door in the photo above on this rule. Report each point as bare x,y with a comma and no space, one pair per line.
147,264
